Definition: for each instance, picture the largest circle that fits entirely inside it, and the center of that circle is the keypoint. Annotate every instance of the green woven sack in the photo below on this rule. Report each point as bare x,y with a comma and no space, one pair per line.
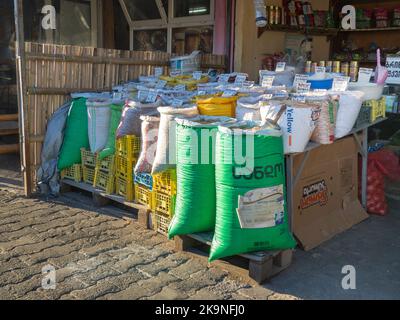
75,135
116,112
251,207
195,203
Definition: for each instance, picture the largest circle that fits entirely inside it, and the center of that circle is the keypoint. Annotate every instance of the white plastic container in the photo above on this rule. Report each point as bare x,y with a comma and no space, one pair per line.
372,91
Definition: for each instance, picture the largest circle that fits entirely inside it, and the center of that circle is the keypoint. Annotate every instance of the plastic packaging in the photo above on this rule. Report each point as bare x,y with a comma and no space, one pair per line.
248,108
217,106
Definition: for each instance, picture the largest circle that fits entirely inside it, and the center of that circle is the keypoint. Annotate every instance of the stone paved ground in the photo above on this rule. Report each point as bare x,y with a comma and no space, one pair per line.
98,256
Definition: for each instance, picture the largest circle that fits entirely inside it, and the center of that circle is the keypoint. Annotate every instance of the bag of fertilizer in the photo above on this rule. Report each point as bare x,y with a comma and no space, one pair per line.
166,144
350,103
251,192
99,116
150,127
248,108
130,124
297,120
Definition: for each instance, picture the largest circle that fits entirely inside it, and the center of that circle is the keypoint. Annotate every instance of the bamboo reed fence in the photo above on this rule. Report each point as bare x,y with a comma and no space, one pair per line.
55,71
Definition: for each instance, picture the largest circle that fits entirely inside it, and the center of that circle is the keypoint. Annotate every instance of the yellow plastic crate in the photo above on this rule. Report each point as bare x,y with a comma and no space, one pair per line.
143,195
160,222
128,147
378,109
165,182
125,188
124,167
106,165
164,203
104,181
88,158
73,173
88,174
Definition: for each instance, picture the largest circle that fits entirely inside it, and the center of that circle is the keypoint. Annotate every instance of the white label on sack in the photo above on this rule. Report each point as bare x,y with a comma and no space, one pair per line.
299,98
240,78
320,70
300,78
364,75
161,84
180,87
152,96
197,75
393,66
340,83
303,87
248,83
262,208
177,103
175,73
280,67
224,77
267,81
201,93
158,71
229,93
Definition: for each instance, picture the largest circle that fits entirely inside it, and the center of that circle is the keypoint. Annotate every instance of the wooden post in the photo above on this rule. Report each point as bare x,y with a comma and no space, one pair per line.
21,86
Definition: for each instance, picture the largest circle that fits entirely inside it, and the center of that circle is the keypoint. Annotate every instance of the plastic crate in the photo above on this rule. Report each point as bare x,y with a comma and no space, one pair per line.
160,223
104,181
164,203
88,159
378,109
128,147
144,179
106,165
143,195
124,167
165,182
73,173
364,117
88,174
125,189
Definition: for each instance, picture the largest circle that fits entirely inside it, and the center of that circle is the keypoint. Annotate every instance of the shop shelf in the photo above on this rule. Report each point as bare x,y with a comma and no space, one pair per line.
88,159
161,222
143,195
104,181
125,188
73,173
128,147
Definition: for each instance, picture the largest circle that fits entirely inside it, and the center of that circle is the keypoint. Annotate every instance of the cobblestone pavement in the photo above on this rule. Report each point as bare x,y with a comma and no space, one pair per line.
99,256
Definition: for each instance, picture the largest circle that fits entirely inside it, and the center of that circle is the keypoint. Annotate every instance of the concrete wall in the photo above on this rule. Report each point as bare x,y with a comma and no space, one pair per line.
249,49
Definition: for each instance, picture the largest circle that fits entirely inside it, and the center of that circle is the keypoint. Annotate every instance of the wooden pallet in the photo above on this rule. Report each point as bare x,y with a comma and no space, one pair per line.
261,265
101,199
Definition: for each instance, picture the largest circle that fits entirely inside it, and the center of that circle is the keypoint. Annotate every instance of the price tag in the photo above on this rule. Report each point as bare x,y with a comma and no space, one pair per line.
229,93
280,67
393,66
161,84
175,73
158,71
364,75
303,87
300,78
267,81
201,93
340,83
320,70
299,98
180,87
224,77
177,103
152,96
248,83
240,78
197,75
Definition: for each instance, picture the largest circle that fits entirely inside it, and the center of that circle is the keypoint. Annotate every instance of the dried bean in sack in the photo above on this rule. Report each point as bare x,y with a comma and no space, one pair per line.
249,108
251,194
150,127
166,144
130,124
99,115
298,122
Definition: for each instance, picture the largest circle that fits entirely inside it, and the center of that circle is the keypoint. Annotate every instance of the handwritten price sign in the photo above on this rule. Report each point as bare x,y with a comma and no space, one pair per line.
393,66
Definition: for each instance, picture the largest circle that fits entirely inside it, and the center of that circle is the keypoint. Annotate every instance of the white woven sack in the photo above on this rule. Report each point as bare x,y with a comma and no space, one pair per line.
99,116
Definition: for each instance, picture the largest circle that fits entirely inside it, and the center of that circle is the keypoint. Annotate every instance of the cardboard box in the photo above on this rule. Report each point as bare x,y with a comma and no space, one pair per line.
326,197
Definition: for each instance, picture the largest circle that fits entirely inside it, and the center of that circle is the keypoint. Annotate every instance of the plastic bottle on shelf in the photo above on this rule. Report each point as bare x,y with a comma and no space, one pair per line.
261,13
